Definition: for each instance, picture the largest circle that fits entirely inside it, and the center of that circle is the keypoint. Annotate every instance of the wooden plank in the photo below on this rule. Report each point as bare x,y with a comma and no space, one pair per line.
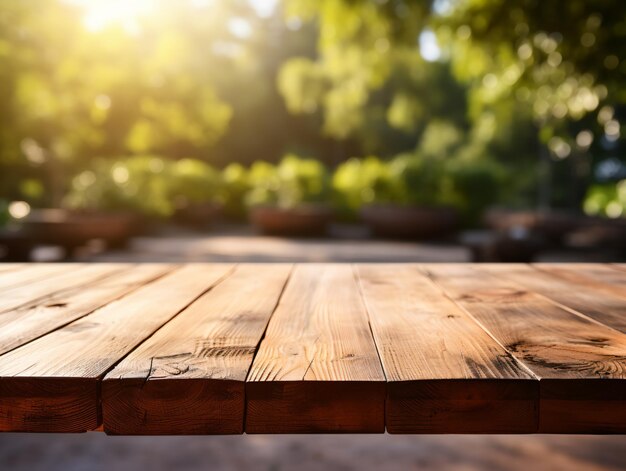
581,363
52,384
32,272
28,322
5,267
189,377
317,369
599,276
600,305
71,277
445,373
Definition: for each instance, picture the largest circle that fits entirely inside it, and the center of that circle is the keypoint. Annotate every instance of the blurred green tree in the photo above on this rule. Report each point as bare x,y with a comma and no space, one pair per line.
537,74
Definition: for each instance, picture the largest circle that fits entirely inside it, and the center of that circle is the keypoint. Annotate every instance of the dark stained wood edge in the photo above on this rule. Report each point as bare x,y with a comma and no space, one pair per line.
214,404
52,405
570,405
37,403
176,414
462,406
603,401
321,407
583,406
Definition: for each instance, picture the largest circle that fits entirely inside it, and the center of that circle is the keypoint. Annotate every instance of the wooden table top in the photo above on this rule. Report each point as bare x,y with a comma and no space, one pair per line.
313,348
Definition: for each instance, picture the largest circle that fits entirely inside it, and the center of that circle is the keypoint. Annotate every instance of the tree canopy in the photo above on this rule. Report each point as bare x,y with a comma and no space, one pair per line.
472,81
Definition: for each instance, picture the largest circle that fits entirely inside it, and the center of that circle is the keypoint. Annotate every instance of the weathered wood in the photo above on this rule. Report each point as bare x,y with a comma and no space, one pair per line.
600,305
52,384
445,373
581,363
465,348
28,273
71,277
317,369
32,320
600,277
189,377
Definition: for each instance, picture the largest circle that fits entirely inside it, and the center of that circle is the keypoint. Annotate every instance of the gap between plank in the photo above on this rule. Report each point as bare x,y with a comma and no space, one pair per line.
227,274
432,279
123,295
41,299
357,280
258,345
554,302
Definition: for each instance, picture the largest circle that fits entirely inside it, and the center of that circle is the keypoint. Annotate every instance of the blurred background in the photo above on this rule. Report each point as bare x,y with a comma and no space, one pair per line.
312,130
155,129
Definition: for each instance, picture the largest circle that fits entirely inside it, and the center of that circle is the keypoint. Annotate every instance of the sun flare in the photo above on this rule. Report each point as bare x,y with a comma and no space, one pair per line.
99,14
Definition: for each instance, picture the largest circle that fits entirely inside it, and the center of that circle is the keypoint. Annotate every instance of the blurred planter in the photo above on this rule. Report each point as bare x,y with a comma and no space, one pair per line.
15,244
410,222
72,229
552,225
518,246
597,232
197,215
301,221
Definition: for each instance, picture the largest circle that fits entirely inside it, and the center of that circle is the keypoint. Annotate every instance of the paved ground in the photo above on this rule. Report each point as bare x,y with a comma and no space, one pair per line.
240,244
234,248
95,451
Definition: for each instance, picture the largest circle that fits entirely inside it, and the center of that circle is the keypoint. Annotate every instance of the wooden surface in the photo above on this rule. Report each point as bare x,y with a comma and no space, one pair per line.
581,364
317,369
53,382
222,348
444,373
190,376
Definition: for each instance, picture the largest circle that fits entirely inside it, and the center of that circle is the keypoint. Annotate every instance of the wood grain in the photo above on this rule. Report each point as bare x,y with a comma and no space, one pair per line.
32,320
28,273
581,363
317,369
52,384
5,267
600,277
445,373
71,277
587,299
189,377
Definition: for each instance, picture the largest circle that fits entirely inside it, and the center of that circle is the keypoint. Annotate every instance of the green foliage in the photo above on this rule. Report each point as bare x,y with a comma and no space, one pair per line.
513,76
475,185
359,182
607,200
192,181
414,180
530,72
5,217
146,185
137,184
234,187
294,181
176,81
